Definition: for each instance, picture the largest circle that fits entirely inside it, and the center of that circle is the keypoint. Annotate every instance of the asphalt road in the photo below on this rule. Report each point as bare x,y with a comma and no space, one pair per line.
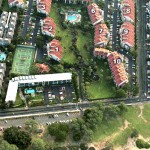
26,23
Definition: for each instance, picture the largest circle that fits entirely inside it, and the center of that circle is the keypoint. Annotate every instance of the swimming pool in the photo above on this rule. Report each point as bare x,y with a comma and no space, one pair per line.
29,91
72,18
2,56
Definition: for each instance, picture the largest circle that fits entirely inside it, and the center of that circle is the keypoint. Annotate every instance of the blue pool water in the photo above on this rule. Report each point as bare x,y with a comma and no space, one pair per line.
72,18
29,91
2,56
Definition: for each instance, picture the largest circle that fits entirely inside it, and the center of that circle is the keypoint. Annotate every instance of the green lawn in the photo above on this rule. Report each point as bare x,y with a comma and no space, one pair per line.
66,41
19,102
120,137
84,41
103,88
146,112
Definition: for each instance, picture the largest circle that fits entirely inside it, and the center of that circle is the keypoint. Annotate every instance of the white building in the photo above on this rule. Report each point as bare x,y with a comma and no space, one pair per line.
35,80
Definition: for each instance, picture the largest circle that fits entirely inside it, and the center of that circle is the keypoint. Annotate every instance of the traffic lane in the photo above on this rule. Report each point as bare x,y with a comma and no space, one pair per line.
40,119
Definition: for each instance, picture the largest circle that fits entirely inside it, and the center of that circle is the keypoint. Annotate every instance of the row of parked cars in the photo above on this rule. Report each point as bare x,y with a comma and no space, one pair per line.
147,43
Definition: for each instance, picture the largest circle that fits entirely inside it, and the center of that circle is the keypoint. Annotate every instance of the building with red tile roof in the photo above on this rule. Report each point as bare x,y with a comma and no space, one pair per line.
101,52
42,68
17,3
127,35
54,50
117,68
101,35
116,65
128,11
44,6
48,27
95,13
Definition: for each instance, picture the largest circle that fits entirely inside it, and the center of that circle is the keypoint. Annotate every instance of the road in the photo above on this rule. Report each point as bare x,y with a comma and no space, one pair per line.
26,23
66,107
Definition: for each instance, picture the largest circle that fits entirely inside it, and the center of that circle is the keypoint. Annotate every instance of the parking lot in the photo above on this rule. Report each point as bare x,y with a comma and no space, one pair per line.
42,120
147,45
30,25
59,94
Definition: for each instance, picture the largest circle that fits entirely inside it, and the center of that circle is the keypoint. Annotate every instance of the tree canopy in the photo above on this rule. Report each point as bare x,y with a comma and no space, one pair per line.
38,144
18,137
4,145
59,130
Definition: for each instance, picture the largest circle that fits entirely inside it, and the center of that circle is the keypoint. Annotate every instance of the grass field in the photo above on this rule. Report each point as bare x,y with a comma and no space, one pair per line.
103,88
116,133
23,58
66,41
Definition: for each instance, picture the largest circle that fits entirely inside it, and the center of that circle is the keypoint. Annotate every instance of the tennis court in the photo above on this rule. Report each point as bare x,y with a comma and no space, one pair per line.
23,58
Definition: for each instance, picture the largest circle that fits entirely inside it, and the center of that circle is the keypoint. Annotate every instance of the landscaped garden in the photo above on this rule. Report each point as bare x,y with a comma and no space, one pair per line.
77,42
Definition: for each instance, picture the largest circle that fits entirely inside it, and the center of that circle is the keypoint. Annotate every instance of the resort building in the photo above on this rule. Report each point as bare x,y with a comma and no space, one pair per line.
35,80
54,50
8,23
42,68
116,65
2,74
44,6
17,3
95,13
127,11
127,35
101,35
48,27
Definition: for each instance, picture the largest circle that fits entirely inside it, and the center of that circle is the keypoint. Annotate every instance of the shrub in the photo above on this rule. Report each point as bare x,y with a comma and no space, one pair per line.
142,144
134,133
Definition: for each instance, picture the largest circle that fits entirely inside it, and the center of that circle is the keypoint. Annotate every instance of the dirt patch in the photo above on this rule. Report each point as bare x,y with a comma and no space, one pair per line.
107,140
141,113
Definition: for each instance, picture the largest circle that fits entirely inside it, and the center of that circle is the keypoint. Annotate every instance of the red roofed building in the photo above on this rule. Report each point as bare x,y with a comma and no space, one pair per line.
128,10
101,35
127,35
43,68
54,50
101,52
48,27
95,13
117,69
17,3
115,62
44,6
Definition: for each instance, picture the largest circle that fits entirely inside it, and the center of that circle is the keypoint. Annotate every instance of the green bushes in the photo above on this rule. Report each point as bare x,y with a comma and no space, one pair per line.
142,144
